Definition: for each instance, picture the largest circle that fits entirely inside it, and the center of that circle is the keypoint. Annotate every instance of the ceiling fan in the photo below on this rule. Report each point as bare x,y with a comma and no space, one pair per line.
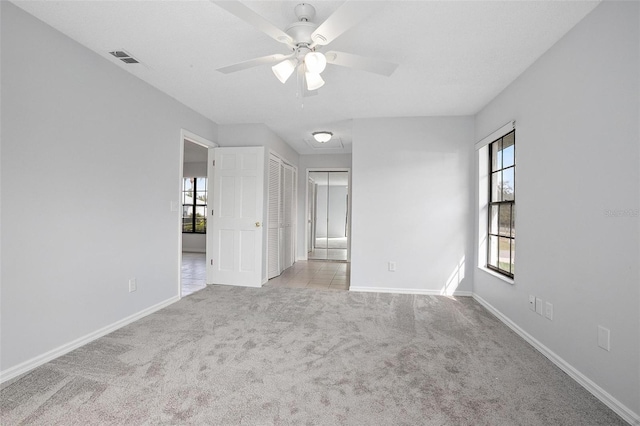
304,40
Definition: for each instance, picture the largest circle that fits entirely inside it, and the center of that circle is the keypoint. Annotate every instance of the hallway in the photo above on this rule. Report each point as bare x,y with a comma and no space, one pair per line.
314,274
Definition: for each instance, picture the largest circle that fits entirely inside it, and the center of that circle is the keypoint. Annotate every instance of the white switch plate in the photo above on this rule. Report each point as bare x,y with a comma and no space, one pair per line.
392,266
133,285
532,302
604,338
548,310
538,306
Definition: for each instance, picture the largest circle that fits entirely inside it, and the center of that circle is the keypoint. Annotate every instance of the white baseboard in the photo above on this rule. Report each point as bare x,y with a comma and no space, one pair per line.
619,408
408,291
37,361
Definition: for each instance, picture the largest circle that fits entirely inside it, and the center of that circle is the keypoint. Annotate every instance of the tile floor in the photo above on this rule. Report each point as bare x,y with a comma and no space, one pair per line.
315,274
194,272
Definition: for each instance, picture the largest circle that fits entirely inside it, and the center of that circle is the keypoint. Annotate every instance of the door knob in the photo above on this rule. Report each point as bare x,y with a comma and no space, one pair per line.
257,224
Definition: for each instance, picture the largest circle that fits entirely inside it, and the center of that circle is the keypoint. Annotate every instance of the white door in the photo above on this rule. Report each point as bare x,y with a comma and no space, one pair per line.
288,216
274,219
237,216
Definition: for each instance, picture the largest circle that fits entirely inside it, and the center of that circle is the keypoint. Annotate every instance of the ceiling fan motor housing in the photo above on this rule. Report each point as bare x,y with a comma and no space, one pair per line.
301,32
305,12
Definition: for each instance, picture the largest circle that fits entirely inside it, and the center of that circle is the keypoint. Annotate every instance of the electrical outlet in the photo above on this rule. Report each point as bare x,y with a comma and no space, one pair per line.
133,285
538,306
604,338
532,303
392,266
548,310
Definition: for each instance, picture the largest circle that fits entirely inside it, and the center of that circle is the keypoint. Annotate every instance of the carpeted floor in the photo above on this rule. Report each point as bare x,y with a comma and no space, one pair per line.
241,356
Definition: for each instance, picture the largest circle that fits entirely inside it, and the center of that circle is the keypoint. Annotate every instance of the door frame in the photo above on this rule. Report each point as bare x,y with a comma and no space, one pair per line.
307,206
177,206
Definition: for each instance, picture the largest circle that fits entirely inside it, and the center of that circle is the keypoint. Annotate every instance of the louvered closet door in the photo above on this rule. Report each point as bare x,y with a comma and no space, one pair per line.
274,219
288,217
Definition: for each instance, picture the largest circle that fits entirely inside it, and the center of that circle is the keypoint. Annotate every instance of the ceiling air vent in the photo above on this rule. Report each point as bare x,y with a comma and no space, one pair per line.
124,57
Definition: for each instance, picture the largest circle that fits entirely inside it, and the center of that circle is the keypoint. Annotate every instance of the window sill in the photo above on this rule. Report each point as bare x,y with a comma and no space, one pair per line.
497,275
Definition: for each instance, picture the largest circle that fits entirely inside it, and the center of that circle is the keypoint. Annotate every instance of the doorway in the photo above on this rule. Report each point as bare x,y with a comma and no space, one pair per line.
192,208
328,215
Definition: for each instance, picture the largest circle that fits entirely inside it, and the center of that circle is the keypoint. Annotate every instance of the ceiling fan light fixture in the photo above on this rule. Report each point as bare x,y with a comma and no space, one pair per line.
284,69
315,62
314,81
322,137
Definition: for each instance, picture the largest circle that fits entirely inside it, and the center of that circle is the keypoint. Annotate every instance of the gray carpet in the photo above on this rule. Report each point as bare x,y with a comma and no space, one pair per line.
240,356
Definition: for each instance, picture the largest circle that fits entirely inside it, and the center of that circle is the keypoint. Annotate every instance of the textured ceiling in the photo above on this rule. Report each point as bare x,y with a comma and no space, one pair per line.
453,56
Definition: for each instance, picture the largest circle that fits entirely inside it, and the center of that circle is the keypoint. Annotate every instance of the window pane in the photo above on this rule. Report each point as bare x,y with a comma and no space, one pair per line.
508,184
201,198
496,155
201,219
513,221
187,198
505,220
493,223
188,184
493,251
513,256
496,186
508,150
201,224
187,218
202,184
504,255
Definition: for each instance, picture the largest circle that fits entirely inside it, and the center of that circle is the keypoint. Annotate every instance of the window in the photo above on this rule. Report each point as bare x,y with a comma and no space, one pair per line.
194,205
501,238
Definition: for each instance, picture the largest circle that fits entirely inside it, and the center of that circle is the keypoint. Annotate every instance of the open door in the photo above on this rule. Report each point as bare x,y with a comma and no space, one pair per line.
236,216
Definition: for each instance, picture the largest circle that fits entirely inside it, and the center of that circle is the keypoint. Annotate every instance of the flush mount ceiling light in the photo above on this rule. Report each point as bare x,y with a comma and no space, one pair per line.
322,137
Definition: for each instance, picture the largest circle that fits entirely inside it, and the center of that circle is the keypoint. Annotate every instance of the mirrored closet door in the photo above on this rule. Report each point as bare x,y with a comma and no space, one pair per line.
328,220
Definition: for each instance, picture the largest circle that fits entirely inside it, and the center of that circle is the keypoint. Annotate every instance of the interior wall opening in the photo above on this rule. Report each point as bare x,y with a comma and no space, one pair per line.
192,205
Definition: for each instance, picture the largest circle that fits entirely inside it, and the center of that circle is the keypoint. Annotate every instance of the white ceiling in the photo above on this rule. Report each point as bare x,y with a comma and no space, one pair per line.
453,56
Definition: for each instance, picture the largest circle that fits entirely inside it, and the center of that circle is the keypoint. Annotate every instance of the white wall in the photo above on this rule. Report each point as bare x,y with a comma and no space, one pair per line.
306,162
194,242
252,134
412,204
90,167
577,146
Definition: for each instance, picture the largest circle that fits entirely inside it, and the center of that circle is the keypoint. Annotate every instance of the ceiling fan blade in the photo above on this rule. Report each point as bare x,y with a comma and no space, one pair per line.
269,59
349,14
243,12
361,63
